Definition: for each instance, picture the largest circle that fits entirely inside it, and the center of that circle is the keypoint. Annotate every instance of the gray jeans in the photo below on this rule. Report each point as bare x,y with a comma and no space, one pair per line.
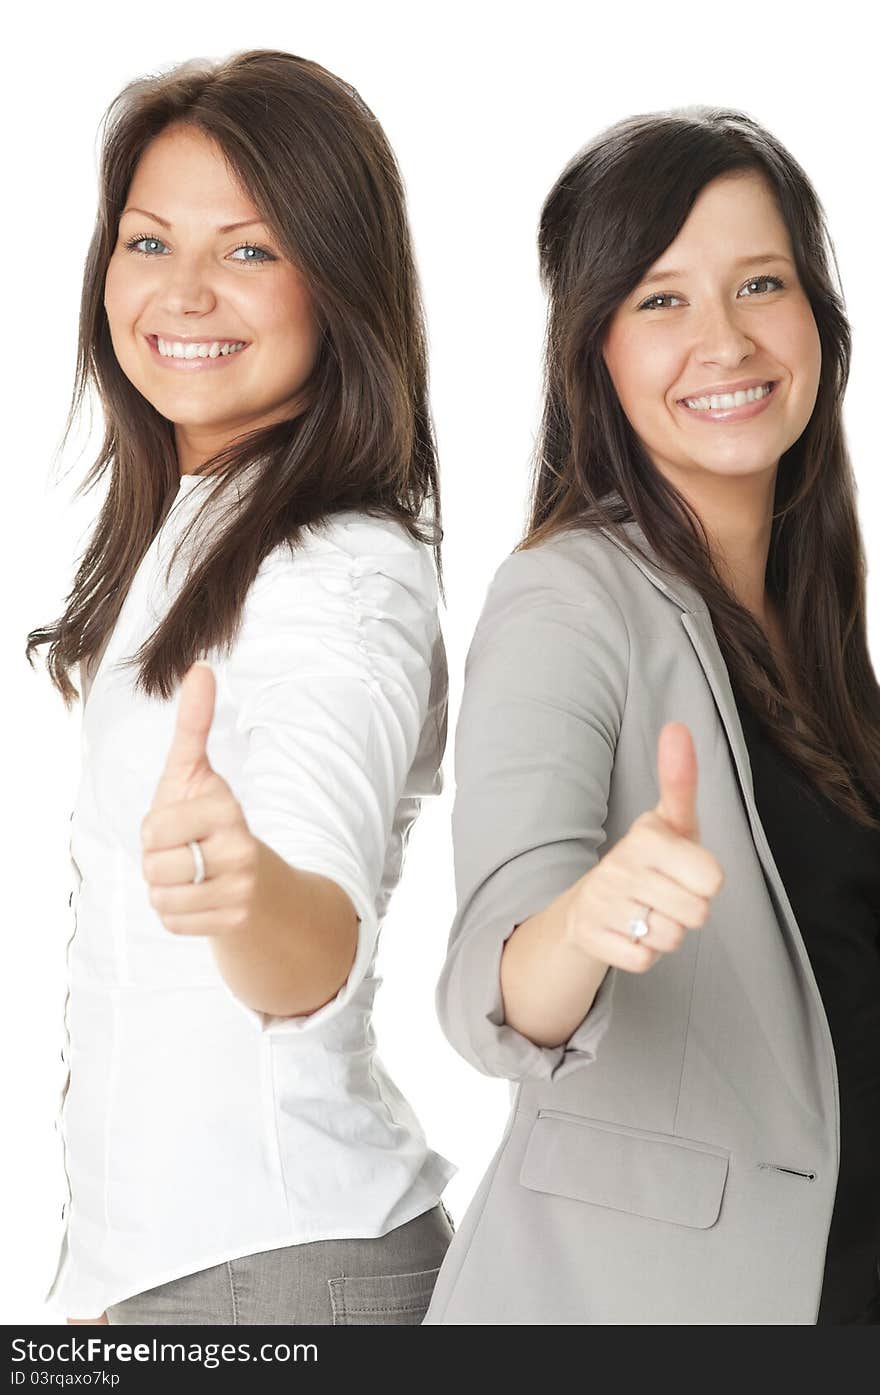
388,1280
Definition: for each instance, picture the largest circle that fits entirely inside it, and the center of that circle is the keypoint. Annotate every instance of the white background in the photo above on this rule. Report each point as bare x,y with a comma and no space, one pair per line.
483,105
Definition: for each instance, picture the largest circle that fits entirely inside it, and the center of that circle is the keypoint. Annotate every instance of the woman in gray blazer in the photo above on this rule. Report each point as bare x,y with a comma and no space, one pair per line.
668,871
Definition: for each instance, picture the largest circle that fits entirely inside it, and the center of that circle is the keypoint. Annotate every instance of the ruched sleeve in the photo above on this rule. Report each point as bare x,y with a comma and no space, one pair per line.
544,693
338,684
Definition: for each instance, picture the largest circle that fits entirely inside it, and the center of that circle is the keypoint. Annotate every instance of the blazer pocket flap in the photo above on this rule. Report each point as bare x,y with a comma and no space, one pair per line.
655,1175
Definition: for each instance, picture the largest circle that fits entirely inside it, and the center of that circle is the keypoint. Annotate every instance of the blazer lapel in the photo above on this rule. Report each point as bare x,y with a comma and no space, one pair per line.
697,623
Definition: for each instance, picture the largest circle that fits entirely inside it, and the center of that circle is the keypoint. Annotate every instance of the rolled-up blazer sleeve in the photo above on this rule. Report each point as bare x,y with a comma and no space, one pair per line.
544,694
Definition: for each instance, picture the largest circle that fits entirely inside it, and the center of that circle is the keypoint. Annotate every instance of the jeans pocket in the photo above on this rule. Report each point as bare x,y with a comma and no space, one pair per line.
381,1299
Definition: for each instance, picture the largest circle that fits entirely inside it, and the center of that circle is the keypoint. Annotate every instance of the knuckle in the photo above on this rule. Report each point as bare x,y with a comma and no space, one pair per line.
699,912
665,934
713,875
643,959
245,855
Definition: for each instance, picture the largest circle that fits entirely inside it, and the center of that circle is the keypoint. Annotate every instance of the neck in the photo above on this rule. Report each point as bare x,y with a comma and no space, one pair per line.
737,514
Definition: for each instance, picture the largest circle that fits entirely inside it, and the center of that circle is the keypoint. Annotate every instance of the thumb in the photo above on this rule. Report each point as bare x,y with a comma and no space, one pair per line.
677,775
188,753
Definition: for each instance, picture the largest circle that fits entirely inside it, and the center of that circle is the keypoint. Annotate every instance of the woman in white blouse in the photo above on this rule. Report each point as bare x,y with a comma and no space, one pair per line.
235,1151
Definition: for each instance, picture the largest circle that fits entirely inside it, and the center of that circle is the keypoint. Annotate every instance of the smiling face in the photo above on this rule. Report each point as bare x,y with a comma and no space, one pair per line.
714,313
176,274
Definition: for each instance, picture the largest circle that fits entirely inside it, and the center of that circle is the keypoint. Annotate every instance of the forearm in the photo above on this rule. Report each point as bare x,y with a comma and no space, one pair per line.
548,983
298,945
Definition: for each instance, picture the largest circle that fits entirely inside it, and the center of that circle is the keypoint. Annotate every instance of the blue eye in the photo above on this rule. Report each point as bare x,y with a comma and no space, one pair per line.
132,246
778,284
252,247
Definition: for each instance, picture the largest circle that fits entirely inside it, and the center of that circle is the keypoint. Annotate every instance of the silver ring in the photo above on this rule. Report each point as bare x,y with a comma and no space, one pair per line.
639,928
199,861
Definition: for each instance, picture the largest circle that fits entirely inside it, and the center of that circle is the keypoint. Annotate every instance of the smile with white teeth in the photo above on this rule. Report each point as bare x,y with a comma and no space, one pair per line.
727,399
172,348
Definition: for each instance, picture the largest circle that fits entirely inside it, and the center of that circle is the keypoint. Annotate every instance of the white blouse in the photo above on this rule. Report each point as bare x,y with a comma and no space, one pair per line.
195,1129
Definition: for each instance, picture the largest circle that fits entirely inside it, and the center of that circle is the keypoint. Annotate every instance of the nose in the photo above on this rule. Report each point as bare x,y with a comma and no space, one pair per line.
186,286
720,337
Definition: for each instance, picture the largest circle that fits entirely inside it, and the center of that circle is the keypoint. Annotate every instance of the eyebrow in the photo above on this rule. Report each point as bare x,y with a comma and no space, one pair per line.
228,227
751,260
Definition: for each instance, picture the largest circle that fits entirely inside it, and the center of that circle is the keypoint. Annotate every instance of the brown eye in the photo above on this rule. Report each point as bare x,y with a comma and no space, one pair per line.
649,304
758,280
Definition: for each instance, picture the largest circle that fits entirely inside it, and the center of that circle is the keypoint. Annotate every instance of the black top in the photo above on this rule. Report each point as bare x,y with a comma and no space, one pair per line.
830,867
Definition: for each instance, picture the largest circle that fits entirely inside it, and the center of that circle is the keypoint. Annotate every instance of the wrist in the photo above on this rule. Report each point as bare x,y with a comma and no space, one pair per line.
568,916
573,920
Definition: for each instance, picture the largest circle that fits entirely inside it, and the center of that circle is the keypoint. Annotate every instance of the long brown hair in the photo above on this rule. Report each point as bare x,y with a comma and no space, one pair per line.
612,212
318,167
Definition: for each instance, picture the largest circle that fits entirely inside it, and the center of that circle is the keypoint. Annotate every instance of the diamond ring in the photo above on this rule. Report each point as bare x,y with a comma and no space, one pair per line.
639,928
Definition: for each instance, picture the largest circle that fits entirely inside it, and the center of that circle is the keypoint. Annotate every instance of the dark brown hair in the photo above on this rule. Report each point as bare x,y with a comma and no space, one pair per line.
612,212
319,169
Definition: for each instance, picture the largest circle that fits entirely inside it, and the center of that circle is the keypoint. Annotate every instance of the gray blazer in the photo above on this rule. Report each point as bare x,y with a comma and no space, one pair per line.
675,1161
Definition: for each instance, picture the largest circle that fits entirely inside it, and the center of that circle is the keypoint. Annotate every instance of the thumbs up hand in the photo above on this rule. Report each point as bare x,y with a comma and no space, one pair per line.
193,803
657,873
